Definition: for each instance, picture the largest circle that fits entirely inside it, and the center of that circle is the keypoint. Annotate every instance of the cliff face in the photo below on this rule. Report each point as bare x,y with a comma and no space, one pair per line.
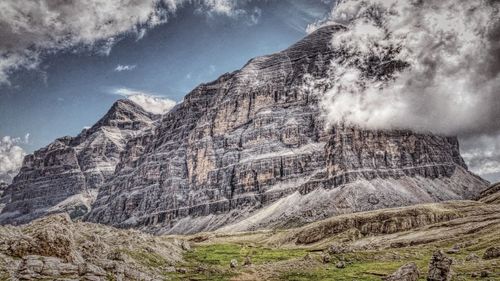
256,136
65,175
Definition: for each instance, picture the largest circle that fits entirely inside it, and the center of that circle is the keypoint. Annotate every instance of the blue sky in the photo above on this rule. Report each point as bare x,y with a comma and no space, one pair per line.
73,87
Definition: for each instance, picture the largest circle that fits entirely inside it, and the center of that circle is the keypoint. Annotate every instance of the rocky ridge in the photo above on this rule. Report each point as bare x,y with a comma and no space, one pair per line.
65,175
256,136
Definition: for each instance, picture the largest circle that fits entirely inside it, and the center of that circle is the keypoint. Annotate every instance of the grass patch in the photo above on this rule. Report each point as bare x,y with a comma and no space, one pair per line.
211,262
222,254
148,259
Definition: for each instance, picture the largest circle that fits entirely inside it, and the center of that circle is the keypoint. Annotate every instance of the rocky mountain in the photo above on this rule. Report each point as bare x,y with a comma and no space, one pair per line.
251,150
65,175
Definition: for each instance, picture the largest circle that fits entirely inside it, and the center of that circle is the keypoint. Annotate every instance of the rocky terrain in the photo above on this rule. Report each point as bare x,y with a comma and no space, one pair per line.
256,137
55,248
453,240
65,175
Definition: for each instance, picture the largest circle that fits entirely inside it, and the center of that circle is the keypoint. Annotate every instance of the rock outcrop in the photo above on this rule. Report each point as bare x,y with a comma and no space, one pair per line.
492,253
408,272
439,267
3,187
491,195
65,175
55,248
257,136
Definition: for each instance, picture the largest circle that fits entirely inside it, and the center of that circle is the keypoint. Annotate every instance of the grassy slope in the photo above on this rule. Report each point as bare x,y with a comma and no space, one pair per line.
276,255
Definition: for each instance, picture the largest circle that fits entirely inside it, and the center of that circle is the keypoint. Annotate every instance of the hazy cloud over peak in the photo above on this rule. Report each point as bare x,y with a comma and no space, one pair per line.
447,79
150,102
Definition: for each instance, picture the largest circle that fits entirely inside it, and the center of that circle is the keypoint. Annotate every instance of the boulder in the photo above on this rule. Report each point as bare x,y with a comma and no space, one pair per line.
407,272
492,253
439,267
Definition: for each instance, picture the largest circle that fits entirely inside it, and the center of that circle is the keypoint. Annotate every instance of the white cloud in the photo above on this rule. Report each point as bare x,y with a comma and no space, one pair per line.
150,102
30,29
121,68
451,82
482,155
11,157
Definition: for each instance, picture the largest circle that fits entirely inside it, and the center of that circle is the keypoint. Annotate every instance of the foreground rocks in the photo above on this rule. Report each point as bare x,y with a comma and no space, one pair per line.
439,267
408,272
54,248
492,253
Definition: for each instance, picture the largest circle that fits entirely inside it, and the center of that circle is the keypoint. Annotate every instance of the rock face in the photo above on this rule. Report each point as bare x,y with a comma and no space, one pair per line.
257,136
65,175
3,187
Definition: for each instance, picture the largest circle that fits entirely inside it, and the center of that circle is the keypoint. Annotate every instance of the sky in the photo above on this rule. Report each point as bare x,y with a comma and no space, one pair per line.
63,63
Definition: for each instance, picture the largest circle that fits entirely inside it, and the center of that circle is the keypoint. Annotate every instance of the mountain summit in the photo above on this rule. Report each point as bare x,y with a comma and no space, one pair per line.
65,175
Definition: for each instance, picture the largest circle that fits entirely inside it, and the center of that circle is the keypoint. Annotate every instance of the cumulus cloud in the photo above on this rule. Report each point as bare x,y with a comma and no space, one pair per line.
11,157
32,29
150,102
431,66
120,68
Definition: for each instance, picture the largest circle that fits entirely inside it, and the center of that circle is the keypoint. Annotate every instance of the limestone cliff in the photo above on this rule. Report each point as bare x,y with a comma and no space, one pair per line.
252,147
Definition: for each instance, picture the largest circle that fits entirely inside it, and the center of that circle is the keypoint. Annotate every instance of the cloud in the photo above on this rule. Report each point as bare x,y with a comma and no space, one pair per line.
120,68
150,102
429,66
482,155
32,29
11,157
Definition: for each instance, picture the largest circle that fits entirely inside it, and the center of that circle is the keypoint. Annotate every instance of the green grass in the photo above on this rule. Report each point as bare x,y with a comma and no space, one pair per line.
211,262
222,254
148,259
368,266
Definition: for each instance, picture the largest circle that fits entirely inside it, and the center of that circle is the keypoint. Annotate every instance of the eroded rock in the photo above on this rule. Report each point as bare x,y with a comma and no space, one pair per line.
407,272
439,267
491,253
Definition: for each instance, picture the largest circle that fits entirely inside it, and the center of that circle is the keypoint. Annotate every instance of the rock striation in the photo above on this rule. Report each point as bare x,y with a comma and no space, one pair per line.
65,175
256,137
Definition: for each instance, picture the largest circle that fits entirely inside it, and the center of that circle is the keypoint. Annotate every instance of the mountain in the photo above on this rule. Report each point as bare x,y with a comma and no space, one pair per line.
66,174
251,150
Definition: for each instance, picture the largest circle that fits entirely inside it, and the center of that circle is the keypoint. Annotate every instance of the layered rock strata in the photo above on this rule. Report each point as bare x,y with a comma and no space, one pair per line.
257,136
65,175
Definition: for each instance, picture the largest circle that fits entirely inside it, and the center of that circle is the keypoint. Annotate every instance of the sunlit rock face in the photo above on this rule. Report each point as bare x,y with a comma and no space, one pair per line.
65,175
253,146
